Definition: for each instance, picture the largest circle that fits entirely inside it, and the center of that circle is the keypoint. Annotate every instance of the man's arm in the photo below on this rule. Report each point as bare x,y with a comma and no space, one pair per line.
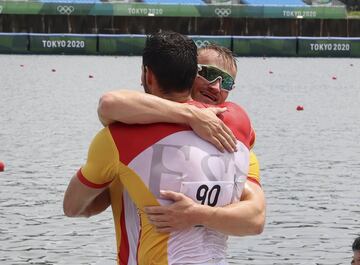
87,193
83,201
134,107
246,217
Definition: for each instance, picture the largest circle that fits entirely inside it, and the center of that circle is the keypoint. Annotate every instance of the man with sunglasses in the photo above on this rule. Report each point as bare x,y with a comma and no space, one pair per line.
148,158
216,74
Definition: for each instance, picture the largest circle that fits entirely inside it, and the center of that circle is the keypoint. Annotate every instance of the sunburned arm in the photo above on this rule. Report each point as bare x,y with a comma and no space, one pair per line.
134,107
82,201
246,217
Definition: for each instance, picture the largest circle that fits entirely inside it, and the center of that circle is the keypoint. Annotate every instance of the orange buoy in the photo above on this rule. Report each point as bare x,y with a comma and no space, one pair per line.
299,108
2,166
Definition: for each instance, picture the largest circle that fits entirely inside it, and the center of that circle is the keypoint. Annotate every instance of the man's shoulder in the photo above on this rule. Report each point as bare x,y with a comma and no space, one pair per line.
238,121
234,111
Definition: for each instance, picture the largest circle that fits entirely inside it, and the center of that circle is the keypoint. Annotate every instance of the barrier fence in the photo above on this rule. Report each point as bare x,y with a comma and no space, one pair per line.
103,44
171,10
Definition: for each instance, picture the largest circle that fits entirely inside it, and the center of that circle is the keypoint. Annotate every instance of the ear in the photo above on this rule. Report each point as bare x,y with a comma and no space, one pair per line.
149,76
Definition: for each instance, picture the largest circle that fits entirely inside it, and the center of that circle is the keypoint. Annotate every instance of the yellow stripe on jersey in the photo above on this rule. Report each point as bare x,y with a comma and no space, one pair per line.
116,195
153,245
254,168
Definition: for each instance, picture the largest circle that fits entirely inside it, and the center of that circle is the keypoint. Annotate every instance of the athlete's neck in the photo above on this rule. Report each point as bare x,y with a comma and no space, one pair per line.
173,96
178,97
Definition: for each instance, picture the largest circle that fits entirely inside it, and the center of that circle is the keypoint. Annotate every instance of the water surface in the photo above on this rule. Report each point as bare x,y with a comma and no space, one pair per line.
309,159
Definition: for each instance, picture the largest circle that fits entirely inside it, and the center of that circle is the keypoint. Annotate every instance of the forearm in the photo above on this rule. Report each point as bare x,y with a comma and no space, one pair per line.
134,107
246,217
238,219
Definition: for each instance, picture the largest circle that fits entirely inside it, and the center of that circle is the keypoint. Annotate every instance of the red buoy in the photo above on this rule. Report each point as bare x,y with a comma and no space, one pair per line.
53,70
270,72
334,78
299,108
91,76
2,166
21,65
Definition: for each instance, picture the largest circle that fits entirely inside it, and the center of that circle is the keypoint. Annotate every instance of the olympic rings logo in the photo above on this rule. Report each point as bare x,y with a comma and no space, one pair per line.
65,10
222,12
202,43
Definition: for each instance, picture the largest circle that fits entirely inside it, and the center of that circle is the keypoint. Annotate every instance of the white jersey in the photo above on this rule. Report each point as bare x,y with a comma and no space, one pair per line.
144,159
198,170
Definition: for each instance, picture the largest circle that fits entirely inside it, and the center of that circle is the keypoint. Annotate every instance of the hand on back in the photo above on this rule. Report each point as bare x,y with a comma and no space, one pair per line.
207,125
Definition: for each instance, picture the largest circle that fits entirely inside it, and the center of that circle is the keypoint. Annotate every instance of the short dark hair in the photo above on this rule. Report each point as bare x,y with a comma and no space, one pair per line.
356,244
172,57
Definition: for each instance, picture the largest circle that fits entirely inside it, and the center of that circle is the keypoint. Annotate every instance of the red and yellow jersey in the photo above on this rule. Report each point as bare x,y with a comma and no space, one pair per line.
140,160
254,169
